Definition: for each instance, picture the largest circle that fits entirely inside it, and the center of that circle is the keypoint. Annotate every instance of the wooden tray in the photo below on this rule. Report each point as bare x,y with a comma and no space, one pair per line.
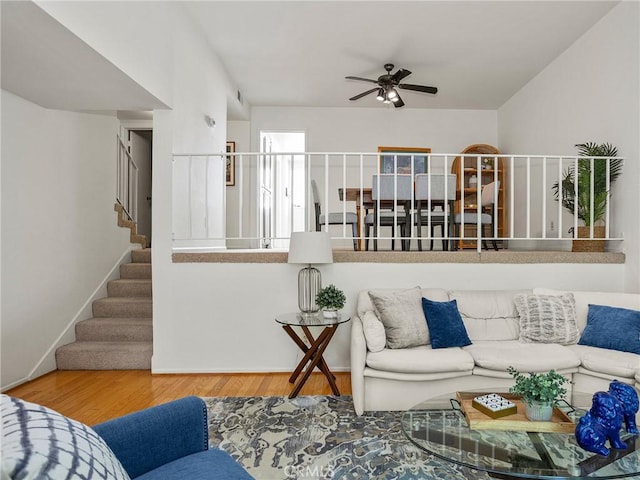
559,423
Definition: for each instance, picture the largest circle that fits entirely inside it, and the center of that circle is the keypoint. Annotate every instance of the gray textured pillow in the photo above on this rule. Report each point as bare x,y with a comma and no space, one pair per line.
402,316
547,318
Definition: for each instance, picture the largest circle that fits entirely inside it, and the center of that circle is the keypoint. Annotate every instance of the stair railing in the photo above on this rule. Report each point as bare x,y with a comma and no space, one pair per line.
127,181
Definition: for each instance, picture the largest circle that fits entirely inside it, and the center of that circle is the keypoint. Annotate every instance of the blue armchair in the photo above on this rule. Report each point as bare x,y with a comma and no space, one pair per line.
169,441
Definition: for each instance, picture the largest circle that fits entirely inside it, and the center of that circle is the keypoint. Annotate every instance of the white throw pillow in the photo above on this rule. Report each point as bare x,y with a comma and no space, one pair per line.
547,318
41,443
373,332
402,316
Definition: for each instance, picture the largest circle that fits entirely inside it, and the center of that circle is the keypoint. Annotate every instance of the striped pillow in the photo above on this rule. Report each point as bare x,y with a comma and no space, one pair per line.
39,443
547,318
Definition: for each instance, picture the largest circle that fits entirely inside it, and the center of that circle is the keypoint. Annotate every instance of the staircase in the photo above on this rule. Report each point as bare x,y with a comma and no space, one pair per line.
120,334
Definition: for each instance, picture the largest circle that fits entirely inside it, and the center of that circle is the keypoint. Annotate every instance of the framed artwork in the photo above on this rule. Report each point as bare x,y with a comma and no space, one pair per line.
231,164
401,156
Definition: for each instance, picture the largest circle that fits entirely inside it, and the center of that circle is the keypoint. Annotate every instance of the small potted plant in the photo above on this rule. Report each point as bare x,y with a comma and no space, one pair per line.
331,299
540,391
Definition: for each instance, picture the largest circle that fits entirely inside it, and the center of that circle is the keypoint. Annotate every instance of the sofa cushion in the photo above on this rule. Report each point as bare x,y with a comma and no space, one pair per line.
524,357
38,443
547,318
421,359
609,362
446,328
584,298
364,303
613,328
488,314
401,314
373,330
212,464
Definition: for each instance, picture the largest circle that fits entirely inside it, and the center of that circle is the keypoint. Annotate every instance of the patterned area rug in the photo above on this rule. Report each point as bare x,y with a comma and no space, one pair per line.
320,437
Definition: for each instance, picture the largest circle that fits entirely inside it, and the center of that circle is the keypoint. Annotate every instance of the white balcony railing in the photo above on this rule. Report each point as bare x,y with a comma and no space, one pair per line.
272,196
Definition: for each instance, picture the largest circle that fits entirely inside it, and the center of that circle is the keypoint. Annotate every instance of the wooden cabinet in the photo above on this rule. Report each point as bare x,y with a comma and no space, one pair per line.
490,168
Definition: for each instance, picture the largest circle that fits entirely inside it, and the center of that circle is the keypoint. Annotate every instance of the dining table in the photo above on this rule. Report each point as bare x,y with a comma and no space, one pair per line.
363,198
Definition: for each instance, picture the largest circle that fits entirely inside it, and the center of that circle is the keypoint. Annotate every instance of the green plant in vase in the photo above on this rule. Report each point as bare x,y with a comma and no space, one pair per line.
331,299
590,211
540,391
600,193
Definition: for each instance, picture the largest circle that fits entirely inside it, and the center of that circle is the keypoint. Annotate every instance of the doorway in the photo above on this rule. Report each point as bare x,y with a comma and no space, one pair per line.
140,145
282,186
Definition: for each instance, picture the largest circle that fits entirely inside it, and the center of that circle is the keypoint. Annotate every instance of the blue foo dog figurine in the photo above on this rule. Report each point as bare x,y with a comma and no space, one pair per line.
604,420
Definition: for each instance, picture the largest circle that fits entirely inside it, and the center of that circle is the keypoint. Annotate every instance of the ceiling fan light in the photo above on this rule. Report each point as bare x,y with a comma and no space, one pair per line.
391,94
380,95
386,100
395,99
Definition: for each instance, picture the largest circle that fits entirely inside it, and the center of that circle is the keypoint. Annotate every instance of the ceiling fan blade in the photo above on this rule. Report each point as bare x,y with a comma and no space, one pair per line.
362,79
364,94
398,103
400,74
418,88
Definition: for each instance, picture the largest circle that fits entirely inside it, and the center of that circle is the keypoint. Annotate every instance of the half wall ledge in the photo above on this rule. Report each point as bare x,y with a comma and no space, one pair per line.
348,256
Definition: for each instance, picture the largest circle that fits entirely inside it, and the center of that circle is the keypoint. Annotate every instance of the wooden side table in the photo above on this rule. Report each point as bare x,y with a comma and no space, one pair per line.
312,357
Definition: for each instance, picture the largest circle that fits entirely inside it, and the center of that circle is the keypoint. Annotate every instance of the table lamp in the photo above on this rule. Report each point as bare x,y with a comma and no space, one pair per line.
308,248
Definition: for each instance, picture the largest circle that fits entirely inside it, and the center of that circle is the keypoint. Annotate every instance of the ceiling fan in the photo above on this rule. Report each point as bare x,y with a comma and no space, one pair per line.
388,85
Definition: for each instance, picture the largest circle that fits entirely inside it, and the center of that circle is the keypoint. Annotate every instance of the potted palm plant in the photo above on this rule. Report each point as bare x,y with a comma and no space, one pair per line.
580,177
540,392
331,299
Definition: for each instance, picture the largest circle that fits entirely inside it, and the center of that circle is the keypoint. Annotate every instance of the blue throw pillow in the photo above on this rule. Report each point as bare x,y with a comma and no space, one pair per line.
613,328
446,327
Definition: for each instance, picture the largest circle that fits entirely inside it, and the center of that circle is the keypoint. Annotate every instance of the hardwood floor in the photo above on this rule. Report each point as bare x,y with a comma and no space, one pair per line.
95,396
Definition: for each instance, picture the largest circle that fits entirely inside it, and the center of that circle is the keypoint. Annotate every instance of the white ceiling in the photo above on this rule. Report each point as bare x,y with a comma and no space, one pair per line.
47,64
297,53
477,53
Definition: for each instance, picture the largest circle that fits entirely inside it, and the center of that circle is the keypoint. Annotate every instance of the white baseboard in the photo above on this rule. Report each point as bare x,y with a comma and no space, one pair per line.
174,371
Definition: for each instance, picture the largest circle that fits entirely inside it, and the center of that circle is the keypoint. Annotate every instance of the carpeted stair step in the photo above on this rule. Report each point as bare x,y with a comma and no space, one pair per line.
129,287
120,336
123,307
105,356
135,270
142,255
115,330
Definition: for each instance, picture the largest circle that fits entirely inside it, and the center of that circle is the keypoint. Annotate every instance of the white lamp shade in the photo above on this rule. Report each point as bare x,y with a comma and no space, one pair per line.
310,247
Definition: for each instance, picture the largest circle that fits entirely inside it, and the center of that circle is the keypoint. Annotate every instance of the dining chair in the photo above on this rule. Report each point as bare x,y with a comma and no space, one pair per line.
334,218
387,192
487,217
434,190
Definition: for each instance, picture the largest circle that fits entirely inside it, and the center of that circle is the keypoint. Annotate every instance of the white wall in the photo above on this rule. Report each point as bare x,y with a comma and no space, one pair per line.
589,93
364,129
140,27
356,129
222,316
196,72
59,232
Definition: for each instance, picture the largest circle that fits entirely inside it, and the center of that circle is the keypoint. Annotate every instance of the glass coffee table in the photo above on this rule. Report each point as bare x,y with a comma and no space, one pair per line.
439,427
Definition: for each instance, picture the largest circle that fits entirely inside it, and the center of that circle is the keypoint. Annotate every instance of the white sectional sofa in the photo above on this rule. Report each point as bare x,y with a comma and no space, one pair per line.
398,378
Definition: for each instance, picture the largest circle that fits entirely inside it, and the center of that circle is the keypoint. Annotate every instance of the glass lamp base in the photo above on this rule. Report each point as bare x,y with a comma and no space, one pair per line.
309,285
